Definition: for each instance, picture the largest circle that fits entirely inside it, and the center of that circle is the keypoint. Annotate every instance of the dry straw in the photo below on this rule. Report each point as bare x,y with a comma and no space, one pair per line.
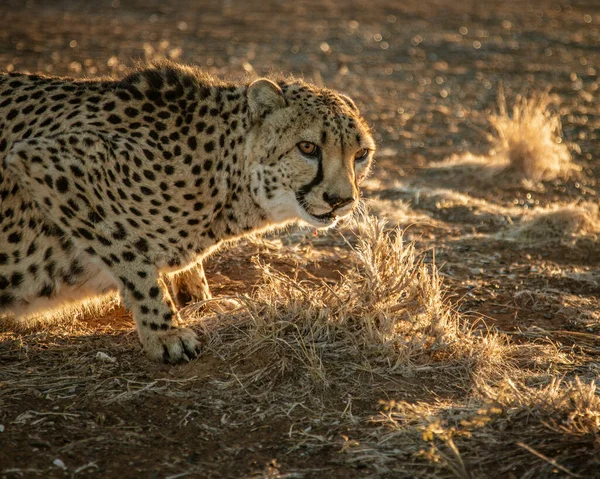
529,137
554,225
517,431
317,356
386,320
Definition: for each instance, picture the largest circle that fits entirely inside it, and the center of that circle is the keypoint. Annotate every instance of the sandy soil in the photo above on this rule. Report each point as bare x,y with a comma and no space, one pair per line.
426,75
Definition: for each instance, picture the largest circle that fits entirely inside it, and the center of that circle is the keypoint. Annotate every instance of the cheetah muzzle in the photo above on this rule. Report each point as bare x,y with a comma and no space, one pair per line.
127,185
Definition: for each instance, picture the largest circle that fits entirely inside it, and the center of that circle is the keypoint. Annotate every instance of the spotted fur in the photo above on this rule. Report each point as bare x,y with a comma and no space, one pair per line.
108,185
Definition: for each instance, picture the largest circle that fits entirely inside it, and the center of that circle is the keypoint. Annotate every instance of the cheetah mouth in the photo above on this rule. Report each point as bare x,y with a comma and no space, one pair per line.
326,217
324,220
330,218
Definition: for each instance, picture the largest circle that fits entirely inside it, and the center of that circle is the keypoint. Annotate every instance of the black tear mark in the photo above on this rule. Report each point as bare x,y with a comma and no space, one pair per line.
306,189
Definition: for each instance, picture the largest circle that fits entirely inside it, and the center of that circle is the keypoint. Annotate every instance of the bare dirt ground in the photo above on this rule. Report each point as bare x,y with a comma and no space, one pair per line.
273,397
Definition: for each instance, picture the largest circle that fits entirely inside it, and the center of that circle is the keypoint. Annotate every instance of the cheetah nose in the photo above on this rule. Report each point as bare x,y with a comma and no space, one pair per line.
335,201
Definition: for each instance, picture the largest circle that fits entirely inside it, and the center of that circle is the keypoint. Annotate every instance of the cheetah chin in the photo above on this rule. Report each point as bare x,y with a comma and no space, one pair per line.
126,185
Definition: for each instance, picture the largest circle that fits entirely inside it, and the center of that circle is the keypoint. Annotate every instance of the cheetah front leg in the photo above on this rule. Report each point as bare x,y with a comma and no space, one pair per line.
158,324
53,171
190,286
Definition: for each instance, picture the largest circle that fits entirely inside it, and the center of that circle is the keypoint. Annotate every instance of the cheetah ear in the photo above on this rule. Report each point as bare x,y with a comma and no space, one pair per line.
264,97
348,101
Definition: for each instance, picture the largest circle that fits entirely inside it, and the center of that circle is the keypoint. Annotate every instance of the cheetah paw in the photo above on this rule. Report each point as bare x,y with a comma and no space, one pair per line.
172,346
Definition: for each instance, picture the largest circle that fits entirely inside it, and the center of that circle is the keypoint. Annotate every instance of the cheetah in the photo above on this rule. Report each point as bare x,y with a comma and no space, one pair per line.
112,185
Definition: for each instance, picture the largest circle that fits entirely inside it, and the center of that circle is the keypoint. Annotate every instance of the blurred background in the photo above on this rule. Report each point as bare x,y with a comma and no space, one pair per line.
423,71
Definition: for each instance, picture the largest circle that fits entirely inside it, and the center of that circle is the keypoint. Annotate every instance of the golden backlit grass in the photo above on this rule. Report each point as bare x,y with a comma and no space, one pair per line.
386,314
302,344
377,366
527,144
554,225
515,431
529,136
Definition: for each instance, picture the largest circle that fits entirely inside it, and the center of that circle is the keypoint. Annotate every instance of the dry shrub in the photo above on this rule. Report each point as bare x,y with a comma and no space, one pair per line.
555,224
530,138
387,315
316,356
384,311
519,431
383,330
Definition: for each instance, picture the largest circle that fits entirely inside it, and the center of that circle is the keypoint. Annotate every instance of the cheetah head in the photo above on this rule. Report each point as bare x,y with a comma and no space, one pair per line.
308,151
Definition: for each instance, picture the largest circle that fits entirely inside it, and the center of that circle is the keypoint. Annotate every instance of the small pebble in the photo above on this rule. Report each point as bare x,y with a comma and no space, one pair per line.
1,427
100,356
59,463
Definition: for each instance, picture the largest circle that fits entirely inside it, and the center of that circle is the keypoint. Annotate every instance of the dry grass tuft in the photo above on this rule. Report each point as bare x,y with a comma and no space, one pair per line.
314,347
529,136
386,309
386,316
555,224
315,357
519,431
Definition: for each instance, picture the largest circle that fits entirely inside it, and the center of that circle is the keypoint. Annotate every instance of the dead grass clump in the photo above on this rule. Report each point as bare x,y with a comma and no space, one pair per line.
522,431
555,224
312,357
386,316
385,310
310,349
530,138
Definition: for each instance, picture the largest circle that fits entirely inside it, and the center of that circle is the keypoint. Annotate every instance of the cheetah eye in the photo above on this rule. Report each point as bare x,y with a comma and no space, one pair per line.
361,155
307,148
